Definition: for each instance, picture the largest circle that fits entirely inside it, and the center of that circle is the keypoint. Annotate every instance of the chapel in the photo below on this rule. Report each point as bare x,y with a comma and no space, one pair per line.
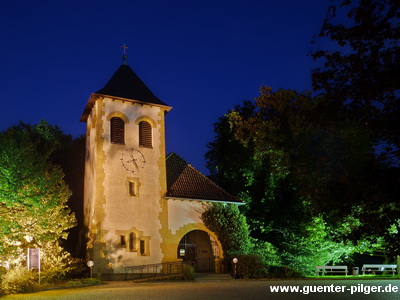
141,206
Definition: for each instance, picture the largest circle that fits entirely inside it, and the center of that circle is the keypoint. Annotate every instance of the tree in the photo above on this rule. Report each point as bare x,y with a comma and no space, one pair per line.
232,230
362,73
230,227
223,168
289,157
70,155
33,195
361,78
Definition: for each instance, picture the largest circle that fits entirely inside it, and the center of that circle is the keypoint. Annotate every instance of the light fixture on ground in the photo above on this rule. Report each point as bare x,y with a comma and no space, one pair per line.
235,261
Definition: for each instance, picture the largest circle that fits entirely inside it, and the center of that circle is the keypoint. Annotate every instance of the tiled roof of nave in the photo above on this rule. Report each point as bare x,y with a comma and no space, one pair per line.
184,181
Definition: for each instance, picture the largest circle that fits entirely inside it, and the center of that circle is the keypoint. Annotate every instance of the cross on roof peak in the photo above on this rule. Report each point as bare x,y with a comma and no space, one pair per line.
124,56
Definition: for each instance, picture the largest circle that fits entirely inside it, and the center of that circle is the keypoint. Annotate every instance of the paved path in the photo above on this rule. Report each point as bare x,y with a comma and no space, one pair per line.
219,290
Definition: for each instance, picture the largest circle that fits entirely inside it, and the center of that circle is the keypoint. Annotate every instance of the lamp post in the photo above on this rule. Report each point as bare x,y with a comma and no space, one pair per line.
90,264
235,261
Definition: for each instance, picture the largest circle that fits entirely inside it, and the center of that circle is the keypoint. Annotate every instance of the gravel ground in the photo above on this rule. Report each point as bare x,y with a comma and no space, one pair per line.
219,290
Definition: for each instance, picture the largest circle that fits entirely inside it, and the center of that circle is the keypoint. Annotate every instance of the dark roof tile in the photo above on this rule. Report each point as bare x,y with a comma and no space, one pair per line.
126,84
184,181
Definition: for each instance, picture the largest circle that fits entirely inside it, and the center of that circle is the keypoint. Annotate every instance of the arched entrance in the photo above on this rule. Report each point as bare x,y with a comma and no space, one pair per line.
200,248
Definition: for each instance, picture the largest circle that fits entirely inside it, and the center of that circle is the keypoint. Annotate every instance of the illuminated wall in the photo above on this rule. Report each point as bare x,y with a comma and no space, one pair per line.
129,222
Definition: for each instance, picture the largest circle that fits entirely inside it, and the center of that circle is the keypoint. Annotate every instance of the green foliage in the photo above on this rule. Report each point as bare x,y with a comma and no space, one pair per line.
314,248
229,225
269,253
18,280
58,264
232,230
188,272
91,281
299,158
33,195
227,157
83,282
74,283
251,266
284,272
360,78
306,164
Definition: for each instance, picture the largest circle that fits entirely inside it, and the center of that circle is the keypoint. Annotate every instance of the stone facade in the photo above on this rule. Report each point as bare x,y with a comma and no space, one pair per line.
129,220
124,228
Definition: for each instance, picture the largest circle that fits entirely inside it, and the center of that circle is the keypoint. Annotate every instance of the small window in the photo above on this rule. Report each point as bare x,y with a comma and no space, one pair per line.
123,240
145,135
131,241
132,188
142,248
117,131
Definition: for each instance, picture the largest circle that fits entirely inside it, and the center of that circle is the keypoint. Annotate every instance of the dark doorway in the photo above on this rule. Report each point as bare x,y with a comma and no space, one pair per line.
196,247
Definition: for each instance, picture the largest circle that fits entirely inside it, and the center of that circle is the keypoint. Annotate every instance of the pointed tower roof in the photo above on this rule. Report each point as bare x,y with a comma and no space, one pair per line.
184,182
127,85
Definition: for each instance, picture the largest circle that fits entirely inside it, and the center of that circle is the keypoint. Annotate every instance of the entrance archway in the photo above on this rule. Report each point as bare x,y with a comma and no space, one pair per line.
200,248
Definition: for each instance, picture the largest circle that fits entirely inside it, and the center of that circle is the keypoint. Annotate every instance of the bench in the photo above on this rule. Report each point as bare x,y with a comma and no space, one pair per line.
331,269
371,269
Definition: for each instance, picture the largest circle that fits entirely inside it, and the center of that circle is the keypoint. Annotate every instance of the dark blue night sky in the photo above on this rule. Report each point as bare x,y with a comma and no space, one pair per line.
200,57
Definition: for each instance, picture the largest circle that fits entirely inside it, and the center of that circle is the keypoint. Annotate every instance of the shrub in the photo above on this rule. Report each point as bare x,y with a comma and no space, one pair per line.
283,272
230,226
58,264
188,272
74,282
268,252
18,280
91,281
84,281
250,266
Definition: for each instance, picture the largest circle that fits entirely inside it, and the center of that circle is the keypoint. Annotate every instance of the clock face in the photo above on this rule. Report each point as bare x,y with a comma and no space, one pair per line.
133,160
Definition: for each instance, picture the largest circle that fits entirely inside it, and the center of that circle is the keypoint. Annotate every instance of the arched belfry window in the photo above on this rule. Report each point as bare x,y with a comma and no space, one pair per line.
117,130
145,135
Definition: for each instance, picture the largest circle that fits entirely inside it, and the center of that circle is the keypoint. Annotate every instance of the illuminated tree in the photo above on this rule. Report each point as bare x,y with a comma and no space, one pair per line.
360,77
297,163
232,230
33,195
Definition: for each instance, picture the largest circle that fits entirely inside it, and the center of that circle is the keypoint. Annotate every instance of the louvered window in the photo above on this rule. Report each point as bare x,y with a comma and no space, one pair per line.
145,136
117,130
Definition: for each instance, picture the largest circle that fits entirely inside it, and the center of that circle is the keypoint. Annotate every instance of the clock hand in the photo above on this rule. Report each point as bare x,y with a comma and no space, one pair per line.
135,163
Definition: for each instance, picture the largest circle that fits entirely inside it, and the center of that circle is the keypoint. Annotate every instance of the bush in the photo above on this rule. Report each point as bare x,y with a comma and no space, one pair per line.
268,252
91,281
230,226
283,272
250,266
188,272
58,264
84,281
19,280
74,282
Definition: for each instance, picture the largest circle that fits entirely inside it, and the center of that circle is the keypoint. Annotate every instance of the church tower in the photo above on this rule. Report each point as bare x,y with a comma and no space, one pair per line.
142,207
125,173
